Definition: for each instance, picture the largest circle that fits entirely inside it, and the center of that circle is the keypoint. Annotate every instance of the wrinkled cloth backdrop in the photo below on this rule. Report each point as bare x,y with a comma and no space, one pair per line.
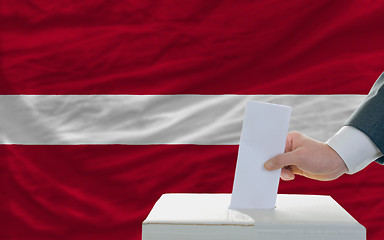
106,105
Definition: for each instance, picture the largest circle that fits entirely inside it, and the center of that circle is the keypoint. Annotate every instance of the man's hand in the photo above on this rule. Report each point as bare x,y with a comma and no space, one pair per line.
307,157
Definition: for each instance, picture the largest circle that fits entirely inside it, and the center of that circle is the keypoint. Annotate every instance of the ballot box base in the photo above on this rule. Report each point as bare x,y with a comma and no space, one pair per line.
208,217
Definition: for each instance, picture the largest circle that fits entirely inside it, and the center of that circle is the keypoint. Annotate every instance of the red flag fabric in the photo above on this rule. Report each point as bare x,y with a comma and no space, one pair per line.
173,47
103,188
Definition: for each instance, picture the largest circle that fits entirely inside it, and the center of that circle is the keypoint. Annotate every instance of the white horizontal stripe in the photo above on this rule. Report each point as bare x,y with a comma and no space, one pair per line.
157,119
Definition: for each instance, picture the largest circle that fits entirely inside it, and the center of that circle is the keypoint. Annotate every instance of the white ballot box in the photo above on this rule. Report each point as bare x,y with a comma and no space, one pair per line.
208,217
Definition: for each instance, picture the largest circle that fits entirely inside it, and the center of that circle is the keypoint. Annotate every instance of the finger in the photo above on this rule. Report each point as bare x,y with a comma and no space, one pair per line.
288,144
296,170
282,160
287,174
291,138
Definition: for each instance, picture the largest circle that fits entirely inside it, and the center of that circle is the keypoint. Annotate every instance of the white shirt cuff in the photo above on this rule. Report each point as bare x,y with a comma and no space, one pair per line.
354,147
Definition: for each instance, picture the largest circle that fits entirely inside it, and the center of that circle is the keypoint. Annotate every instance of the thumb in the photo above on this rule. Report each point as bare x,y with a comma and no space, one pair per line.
282,160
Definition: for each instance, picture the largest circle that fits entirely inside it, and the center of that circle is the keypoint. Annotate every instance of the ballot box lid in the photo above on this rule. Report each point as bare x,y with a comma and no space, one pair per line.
293,212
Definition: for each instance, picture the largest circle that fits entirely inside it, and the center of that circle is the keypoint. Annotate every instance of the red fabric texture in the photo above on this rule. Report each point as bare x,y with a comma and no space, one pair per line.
203,47
105,192
172,47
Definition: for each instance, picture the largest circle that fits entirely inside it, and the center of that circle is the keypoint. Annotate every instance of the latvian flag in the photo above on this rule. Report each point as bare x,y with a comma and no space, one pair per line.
106,105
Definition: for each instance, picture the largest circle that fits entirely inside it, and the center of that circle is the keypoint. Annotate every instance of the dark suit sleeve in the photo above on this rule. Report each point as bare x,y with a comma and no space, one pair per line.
369,117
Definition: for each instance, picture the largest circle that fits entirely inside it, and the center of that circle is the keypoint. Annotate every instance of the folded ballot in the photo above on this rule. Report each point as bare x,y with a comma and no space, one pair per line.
208,217
265,128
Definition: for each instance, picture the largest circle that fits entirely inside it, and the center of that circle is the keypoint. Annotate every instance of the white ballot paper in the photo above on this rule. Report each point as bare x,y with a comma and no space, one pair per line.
263,136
